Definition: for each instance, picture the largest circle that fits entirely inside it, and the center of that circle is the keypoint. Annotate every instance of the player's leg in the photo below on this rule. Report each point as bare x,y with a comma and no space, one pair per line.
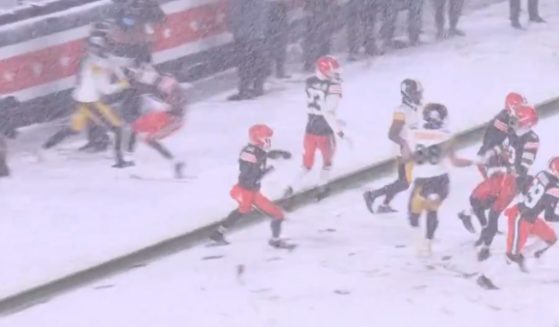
391,190
546,234
517,235
109,117
435,192
416,206
327,147
480,199
245,200
269,208
78,121
507,192
310,145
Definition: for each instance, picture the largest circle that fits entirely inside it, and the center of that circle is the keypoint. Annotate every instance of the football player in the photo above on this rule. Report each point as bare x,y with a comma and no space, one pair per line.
431,146
407,114
507,165
253,166
93,82
524,219
324,93
161,115
496,132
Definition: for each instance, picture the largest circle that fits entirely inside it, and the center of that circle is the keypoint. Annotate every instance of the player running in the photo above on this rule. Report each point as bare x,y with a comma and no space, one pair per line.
524,219
430,142
162,113
324,93
507,165
94,81
495,134
405,116
253,168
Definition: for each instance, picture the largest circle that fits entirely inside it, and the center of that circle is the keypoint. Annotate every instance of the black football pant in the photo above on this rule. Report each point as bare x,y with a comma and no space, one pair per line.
401,184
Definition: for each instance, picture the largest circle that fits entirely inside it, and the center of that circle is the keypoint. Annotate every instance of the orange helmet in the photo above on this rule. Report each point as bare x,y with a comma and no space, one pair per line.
328,67
513,100
553,166
526,117
261,135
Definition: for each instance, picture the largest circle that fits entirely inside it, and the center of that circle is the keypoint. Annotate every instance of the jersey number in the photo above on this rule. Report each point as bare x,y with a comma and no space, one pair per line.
430,154
534,195
314,98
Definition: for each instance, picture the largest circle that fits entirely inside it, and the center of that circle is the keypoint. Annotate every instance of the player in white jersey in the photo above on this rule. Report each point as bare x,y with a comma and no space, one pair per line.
94,82
324,93
405,115
430,142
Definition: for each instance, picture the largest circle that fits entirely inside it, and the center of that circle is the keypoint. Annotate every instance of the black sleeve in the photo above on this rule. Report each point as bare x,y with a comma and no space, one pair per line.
495,134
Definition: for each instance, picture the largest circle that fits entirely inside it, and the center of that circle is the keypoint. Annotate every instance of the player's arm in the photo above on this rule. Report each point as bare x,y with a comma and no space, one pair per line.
279,154
552,209
495,134
455,160
395,131
331,104
106,87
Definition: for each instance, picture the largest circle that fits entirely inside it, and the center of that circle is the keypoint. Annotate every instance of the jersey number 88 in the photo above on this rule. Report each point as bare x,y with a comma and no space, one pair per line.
427,154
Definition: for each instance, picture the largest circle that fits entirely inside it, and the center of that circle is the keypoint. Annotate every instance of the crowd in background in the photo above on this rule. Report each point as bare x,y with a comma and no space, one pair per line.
261,31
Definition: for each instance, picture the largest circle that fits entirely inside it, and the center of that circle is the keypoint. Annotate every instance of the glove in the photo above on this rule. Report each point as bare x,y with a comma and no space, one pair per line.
277,154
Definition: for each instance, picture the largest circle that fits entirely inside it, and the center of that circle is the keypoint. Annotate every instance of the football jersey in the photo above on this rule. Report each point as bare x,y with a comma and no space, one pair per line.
542,196
522,151
429,154
252,167
496,132
318,91
410,115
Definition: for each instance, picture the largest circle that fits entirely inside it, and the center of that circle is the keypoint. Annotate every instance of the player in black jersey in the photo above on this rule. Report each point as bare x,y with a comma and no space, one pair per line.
518,153
542,197
253,167
525,219
324,93
492,169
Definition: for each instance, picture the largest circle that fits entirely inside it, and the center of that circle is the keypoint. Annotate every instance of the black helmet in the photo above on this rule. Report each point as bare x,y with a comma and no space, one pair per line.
412,91
435,115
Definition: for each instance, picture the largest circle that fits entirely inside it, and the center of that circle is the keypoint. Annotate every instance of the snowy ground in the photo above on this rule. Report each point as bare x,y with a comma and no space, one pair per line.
351,269
71,212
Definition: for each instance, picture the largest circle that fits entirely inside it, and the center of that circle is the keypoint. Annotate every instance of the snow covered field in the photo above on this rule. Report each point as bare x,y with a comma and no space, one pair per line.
351,269
71,212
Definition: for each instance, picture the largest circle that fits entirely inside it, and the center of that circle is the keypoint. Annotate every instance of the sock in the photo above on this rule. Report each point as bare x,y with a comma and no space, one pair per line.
276,228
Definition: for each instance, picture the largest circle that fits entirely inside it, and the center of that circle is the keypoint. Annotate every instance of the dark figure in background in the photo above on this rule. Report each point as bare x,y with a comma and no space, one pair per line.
454,12
533,13
318,32
415,17
361,26
247,23
7,130
277,34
